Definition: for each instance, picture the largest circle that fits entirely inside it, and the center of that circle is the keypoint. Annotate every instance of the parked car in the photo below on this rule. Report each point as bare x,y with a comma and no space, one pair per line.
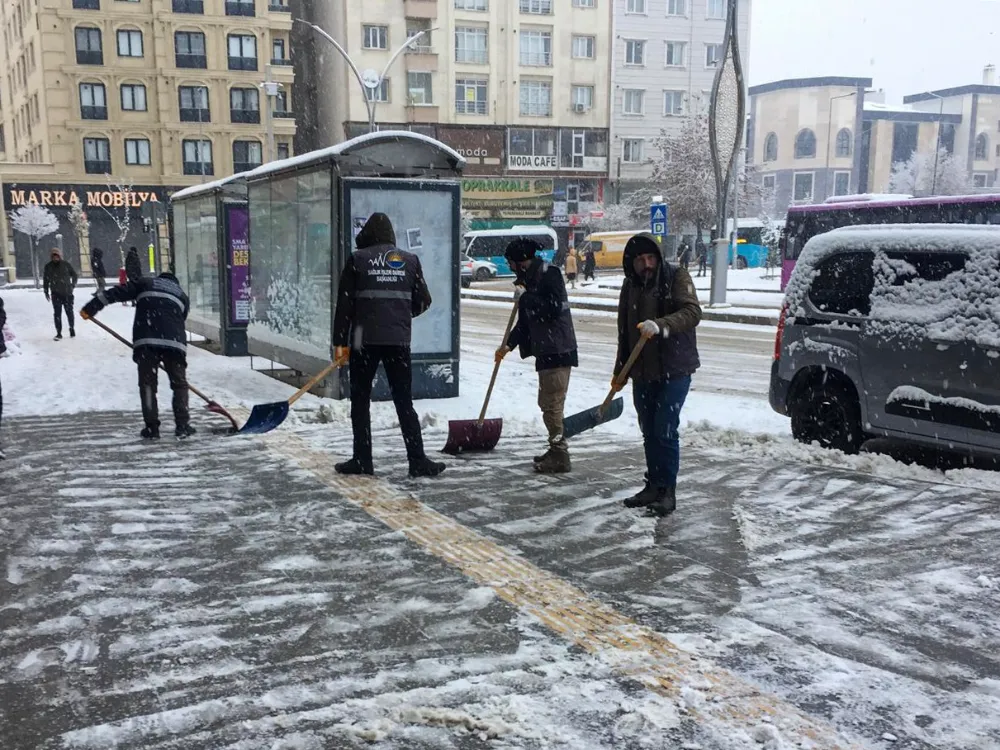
483,270
468,270
893,331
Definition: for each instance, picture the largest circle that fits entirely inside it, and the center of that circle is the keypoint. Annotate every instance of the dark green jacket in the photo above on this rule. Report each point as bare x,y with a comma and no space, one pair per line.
59,278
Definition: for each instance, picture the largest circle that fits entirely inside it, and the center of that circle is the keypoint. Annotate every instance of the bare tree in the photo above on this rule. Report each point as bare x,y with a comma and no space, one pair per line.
78,220
684,175
36,222
916,177
121,215
630,213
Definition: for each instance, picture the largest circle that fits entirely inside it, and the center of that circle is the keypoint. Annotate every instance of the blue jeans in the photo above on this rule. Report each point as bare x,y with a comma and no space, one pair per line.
658,405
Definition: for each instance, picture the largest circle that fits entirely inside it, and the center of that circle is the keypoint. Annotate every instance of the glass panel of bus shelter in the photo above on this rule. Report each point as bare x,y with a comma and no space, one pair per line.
180,249
203,271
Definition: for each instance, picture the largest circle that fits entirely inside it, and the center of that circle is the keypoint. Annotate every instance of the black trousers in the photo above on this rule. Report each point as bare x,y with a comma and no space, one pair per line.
59,304
399,371
149,361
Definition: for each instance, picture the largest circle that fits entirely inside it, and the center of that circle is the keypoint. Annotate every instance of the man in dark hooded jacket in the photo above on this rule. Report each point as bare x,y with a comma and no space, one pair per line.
544,331
97,267
658,300
58,283
158,339
381,290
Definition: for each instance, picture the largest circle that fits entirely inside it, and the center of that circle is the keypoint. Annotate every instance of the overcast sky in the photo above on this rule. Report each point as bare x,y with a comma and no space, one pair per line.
906,46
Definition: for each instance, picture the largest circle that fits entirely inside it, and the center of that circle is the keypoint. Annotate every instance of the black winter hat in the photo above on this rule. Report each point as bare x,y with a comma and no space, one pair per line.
376,231
521,249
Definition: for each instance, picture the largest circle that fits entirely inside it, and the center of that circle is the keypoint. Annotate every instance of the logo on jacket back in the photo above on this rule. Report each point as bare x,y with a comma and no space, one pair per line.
392,259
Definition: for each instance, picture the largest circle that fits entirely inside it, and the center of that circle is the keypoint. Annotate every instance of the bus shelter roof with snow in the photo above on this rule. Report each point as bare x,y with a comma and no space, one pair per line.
304,215
209,225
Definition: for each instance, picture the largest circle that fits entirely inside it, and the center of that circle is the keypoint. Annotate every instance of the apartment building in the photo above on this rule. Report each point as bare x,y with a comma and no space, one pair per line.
663,63
156,94
519,87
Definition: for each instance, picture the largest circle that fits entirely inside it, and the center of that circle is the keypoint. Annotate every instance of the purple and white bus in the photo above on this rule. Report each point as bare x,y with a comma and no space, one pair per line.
805,222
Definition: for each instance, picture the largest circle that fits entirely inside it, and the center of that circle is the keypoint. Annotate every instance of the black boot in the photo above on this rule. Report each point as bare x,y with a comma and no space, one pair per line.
539,459
424,467
72,333
354,467
665,502
150,432
184,431
556,461
644,497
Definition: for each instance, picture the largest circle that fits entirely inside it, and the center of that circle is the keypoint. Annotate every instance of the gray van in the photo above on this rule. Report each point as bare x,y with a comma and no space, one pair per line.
893,331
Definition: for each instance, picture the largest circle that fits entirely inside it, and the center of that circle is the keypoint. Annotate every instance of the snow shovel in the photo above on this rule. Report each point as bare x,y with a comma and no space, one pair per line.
612,407
211,405
479,434
267,417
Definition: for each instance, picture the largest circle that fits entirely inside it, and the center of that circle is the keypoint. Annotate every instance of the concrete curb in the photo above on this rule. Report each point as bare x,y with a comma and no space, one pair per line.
723,316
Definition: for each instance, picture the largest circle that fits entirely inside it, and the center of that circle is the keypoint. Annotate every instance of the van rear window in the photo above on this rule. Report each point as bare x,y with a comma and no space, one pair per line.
843,284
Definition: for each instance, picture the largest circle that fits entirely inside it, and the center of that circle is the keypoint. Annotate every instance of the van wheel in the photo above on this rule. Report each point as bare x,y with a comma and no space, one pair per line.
829,414
741,263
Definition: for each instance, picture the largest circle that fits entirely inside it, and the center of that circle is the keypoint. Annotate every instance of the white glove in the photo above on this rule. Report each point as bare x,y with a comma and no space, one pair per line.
649,328
518,291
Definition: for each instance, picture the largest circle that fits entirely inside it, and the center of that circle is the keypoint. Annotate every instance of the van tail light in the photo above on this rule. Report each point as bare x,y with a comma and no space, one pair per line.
780,333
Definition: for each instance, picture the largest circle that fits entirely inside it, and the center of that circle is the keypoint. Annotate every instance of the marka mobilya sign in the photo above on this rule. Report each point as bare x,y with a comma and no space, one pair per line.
94,198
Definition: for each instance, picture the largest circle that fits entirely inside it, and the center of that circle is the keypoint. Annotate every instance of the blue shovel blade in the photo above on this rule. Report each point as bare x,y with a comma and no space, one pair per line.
591,418
265,417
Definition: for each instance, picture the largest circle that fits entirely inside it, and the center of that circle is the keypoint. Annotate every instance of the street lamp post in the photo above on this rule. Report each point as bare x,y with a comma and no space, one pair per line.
370,80
937,141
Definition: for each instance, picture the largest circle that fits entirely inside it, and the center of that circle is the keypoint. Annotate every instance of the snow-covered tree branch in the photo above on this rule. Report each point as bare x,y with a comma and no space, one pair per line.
915,176
36,222
121,215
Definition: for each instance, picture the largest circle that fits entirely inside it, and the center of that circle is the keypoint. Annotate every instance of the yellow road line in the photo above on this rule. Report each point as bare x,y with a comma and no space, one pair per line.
633,650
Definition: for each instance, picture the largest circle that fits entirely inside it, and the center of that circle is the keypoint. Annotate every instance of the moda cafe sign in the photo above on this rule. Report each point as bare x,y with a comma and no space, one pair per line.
535,163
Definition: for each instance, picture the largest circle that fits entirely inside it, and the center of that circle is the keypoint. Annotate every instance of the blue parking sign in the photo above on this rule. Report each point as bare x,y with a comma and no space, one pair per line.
658,213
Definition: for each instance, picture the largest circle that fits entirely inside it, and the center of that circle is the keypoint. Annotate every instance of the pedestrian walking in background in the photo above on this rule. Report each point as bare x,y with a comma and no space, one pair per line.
3,350
97,268
659,301
158,340
571,268
58,282
701,250
589,264
133,266
684,255
544,331
382,288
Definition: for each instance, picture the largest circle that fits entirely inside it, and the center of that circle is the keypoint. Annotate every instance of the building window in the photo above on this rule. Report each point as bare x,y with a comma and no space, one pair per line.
717,9
635,6
244,105
242,52
375,37
676,7
844,144
96,156
93,102
584,3
418,86
583,98
537,7
980,180
946,137
278,52
129,43
675,54
841,183
133,96
239,7
281,105
422,26
380,93
673,102
189,49
536,98
584,149
535,147
86,4
194,104
471,5
713,53
771,147
198,157
635,52
284,151
247,155
88,47
767,183
982,147
471,96
805,144
633,101
189,6
471,45
536,48
632,150
583,47
137,152
802,190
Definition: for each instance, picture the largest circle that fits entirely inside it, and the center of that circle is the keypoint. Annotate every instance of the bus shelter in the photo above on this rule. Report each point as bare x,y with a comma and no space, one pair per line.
304,215
210,227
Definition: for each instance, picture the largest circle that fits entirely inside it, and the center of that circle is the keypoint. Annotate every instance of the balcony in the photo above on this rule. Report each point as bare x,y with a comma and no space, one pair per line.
279,8
87,4
195,114
244,166
93,113
283,114
281,61
96,167
189,6
191,61
420,8
242,63
238,8
87,57
422,113
422,58
199,167
244,116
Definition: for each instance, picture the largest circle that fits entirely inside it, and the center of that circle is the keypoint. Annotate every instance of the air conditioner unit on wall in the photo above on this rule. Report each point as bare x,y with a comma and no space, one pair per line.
579,108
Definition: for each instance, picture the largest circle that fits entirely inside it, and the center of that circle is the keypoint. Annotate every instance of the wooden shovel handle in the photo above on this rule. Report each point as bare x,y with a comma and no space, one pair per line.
623,375
496,367
312,383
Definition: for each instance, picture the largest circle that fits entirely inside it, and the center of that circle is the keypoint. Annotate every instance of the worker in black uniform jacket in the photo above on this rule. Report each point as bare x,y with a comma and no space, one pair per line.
381,290
158,338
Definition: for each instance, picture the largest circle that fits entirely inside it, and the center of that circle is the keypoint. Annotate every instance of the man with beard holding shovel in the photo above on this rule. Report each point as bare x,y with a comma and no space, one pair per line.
658,300
544,330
